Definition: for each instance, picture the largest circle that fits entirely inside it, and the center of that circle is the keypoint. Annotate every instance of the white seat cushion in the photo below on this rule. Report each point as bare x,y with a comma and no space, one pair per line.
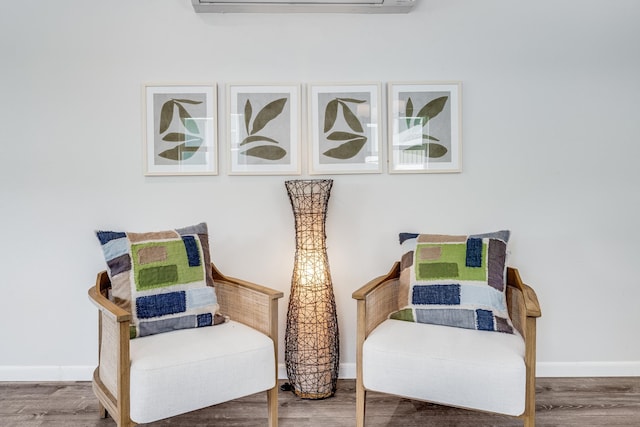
452,366
189,369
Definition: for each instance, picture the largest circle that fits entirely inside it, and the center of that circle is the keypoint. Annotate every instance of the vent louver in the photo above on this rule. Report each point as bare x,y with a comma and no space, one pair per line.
303,6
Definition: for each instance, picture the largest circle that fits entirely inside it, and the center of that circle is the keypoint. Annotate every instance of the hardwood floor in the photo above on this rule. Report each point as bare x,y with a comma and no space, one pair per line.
561,402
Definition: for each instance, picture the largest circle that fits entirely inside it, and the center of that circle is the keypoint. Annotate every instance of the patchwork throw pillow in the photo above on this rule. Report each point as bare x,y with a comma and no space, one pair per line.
162,278
455,281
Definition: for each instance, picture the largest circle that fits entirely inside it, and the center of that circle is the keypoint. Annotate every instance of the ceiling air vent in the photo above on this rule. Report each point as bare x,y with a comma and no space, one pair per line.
303,6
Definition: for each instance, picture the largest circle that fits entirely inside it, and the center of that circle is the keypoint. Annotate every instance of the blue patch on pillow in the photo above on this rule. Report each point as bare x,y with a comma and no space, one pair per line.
436,294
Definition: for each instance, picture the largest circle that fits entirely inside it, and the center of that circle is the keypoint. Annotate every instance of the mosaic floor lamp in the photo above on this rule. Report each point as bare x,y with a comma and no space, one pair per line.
311,338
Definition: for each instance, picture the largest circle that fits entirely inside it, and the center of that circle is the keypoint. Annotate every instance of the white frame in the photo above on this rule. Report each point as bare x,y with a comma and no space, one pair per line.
444,129
281,133
174,138
365,114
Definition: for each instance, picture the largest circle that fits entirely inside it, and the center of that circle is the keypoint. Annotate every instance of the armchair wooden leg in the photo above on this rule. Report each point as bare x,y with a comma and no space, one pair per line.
530,361
272,403
361,395
529,415
124,422
102,411
530,420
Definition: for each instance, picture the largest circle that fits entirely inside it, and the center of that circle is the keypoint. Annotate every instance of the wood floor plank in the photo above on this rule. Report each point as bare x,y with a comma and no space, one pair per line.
561,402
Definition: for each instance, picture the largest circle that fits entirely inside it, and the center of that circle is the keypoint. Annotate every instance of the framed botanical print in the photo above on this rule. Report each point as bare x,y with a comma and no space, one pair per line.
180,130
424,127
264,129
345,128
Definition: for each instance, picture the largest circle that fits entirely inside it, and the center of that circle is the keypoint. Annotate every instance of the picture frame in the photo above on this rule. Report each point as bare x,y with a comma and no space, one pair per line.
425,127
345,128
180,123
263,123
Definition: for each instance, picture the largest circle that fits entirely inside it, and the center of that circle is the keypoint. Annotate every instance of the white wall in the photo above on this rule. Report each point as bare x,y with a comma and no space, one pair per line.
550,151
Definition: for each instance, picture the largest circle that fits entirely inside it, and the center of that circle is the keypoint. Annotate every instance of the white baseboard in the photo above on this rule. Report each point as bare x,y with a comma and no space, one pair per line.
46,373
347,371
588,369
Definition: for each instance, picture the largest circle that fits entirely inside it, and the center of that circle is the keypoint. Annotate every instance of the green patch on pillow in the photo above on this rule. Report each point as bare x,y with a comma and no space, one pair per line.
404,314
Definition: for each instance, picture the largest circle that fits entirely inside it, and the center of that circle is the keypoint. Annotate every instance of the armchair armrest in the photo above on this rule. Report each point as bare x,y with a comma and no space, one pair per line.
249,303
522,301
376,300
107,307
530,299
531,302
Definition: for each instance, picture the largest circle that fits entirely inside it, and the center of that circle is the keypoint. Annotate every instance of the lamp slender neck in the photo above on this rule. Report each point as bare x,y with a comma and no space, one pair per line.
309,200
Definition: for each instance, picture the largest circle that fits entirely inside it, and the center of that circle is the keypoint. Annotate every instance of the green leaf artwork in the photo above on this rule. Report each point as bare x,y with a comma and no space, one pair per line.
355,141
409,112
342,136
351,119
187,120
330,115
422,118
190,138
268,152
268,113
248,112
188,101
179,152
430,149
347,150
166,115
253,125
256,138
181,137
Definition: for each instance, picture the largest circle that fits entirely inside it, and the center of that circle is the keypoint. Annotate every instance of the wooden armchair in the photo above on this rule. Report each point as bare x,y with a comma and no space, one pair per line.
145,379
378,298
